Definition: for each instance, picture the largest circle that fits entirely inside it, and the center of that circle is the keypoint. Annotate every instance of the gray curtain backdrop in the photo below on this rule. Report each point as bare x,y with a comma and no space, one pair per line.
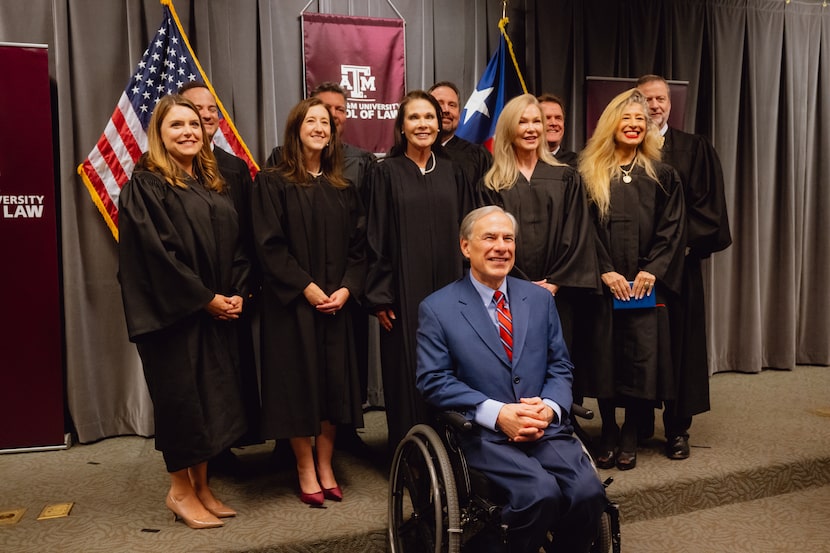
759,74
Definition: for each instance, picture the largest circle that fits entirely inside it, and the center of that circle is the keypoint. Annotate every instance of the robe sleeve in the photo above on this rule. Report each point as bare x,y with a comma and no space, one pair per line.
599,237
380,238
158,287
574,264
245,277
707,228
280,270
354,277
665,255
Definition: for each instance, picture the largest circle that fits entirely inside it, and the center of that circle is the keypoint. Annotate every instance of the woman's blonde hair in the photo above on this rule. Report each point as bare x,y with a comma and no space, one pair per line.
158,159
505,171
598,163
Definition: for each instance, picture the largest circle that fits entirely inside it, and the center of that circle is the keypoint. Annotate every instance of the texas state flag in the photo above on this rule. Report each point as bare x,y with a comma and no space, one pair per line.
501,82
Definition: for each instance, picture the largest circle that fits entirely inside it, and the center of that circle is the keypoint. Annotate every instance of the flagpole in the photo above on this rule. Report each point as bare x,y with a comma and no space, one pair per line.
503,28
219,104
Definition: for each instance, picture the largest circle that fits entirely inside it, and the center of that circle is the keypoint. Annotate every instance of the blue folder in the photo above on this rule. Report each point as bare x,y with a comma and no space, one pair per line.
633,303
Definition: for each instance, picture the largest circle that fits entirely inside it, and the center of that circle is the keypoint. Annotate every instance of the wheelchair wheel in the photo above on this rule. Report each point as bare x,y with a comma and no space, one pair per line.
603,543
423,502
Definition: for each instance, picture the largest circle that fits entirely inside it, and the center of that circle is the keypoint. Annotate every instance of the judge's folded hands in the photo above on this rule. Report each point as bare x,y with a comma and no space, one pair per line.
224,308
323,302
525,421
619,287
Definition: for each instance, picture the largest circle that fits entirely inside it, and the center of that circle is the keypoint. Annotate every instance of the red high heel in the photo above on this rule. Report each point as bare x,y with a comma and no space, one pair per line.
314,499
335,493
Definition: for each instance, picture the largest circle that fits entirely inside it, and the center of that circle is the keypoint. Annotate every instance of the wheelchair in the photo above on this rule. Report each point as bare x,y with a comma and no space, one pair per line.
438,504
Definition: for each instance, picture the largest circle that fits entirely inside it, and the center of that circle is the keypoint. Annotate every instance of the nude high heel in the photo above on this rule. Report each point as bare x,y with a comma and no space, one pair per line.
220,510
209,521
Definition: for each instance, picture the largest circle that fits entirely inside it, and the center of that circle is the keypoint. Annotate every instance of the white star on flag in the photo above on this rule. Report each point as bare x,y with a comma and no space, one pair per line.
477,103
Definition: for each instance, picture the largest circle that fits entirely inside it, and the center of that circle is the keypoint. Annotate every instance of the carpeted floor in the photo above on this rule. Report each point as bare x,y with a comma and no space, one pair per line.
758,480
796,522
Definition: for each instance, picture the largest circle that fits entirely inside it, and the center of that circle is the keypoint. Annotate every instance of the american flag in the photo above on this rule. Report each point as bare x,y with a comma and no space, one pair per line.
167,64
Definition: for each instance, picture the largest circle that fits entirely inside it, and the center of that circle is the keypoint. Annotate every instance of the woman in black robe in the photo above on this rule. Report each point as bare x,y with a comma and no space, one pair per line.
182,274
417,199
309,229
555,239
638,208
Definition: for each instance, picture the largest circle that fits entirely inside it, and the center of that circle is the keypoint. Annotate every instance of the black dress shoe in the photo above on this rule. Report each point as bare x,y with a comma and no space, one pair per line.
605,459
626,460
677,448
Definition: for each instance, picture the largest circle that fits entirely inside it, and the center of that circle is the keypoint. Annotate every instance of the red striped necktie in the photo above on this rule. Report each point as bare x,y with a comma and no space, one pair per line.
505,323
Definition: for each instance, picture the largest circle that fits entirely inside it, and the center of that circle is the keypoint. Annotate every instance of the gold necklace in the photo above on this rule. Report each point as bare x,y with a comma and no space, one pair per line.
627,174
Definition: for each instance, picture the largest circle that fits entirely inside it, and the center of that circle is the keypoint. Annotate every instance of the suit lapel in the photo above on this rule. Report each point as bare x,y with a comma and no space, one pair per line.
473,310
520,311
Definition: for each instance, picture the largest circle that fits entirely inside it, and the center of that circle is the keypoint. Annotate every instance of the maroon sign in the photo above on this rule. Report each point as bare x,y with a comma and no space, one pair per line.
599,91
365,55
31,375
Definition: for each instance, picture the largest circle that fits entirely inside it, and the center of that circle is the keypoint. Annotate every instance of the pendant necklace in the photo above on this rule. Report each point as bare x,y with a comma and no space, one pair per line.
427,169
627,173
313,174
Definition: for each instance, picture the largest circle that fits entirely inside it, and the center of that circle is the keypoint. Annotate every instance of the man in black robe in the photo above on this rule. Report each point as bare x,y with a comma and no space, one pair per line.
707,232
356,164
237,177
553,108
473,159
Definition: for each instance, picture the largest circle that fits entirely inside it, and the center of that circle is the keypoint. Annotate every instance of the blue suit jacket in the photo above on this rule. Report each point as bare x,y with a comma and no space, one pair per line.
461,361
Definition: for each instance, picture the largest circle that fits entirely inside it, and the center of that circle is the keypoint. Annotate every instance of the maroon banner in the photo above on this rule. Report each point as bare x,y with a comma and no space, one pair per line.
599,91
366,56
31,373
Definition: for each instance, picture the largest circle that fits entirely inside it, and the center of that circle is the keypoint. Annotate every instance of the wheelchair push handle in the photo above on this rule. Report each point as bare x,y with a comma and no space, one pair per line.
456,420
578,410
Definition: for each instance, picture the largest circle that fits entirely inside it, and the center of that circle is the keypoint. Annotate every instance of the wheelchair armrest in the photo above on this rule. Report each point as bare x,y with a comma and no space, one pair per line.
455,420
578,410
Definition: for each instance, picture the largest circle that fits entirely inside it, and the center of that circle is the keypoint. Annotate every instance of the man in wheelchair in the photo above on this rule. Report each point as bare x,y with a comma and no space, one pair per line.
490,347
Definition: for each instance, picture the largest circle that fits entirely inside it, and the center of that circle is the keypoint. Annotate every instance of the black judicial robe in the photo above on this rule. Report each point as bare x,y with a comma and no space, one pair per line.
178,247
555,239
567,157
307,233
238,180
473,159
357,163
707,232
413,222
631,356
